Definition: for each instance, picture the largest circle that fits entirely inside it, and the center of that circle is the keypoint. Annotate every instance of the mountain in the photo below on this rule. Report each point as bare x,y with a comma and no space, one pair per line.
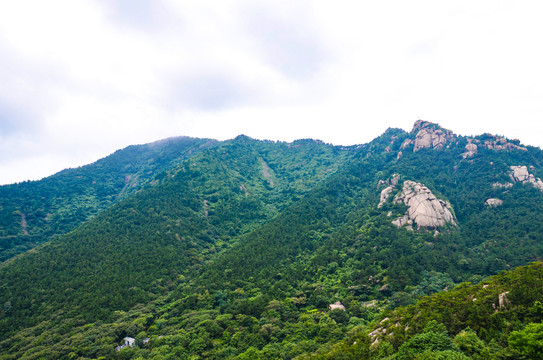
239,248
147,240
499,318
33,212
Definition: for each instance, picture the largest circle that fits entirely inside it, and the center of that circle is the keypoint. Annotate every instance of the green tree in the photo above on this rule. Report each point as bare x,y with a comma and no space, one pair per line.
469,343
250,354
528,341
434,338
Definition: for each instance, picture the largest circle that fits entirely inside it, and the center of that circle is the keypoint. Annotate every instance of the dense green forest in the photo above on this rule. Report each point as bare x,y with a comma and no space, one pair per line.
33,212
499,318
237,249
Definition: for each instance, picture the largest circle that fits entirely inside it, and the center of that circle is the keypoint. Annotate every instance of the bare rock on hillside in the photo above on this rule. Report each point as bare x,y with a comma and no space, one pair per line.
423,207
336,306
493,202
429,135
521,174
471,149
385,194
401,221
502,186
495,142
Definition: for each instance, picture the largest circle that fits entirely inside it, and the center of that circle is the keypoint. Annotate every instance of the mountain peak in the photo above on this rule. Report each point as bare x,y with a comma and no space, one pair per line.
427,125
428,135
243,137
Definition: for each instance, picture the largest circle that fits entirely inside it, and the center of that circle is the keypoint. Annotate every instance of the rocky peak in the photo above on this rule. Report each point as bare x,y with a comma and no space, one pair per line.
423,124
491,142
428,135
495,142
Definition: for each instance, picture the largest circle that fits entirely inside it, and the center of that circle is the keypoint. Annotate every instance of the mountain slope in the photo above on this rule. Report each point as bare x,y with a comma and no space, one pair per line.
35,211
239,250
139,248
489,320
339,223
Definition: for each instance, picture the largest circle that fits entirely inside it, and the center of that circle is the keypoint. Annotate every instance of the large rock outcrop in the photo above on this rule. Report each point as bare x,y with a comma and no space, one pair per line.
493,202
521,174
403,220
491,142
385,194
495,142
428,135
424,209
471,149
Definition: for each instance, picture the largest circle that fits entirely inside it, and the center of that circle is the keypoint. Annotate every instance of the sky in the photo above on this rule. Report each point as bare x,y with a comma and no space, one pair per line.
80,79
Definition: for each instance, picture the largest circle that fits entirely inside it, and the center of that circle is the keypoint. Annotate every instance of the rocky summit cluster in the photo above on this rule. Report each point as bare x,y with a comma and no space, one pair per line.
428,135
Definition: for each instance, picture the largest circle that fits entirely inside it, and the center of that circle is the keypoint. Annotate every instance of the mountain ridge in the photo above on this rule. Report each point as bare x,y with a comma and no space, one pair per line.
256,238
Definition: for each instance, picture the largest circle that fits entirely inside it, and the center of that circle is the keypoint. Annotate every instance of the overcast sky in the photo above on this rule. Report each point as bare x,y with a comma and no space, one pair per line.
80,79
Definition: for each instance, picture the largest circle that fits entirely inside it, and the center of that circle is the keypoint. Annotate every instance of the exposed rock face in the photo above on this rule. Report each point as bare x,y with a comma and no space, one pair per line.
471,149
430,139
501,143
336,306
406,143
385,194
423,208
491,142
428,135
502,186
401,221
503,301
521,174
393,181
493,202
266,172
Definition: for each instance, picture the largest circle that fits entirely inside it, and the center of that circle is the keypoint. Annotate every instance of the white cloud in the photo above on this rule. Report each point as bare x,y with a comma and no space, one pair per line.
82,79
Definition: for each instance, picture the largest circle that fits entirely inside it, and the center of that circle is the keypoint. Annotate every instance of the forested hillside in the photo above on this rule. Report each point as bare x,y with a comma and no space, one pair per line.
139,248
499,318
35,211
239,250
